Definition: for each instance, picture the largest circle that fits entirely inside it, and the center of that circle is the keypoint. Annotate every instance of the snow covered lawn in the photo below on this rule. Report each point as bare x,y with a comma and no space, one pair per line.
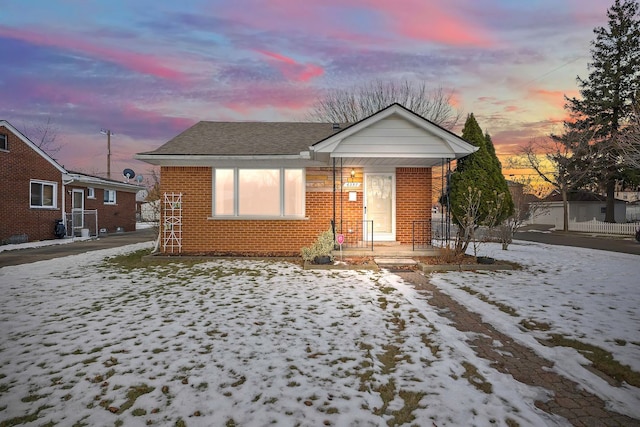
251,343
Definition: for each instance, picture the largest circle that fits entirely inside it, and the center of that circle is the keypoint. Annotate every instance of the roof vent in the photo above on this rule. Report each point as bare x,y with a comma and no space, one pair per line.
336,126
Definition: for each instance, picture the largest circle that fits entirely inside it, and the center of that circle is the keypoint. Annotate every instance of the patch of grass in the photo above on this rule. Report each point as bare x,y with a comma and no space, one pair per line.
435,348
139,412
239,382
405,415
390,358
33,397
601,360
534,325
476,379
134,393
90,360
387,394
511,422
502,307
129,261
29,418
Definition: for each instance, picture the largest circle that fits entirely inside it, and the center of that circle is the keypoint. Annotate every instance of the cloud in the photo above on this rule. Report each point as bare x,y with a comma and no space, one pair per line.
291,69
139,62
434,22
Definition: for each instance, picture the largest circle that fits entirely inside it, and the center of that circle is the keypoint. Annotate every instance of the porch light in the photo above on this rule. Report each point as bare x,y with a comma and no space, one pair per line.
353,173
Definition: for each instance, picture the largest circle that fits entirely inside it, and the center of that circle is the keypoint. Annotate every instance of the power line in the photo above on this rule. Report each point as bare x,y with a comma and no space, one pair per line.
552,71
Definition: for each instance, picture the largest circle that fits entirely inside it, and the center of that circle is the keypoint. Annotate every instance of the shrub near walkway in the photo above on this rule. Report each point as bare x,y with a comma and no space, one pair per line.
88,342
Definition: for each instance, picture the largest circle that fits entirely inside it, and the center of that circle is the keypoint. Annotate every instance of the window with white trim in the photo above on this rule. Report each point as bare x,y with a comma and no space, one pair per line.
91,193
109,197
269,192
4,142
43,194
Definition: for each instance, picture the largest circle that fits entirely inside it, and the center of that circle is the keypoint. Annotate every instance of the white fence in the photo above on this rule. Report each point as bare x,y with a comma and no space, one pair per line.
594,226
79,220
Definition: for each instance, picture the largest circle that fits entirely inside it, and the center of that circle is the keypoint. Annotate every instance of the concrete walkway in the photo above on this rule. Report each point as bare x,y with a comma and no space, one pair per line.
569,400
24,256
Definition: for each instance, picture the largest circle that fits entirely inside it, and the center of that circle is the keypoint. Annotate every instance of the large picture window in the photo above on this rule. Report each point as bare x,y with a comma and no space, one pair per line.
43,194
275,192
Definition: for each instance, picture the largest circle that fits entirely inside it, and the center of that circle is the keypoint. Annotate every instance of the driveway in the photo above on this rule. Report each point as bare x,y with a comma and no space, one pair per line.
24,256
541,234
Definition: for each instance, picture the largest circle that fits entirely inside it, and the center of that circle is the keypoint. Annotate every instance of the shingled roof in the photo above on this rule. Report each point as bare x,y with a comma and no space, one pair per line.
246,138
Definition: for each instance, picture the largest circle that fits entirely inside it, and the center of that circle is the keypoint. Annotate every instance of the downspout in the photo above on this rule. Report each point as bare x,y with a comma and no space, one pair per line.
333,221
341,194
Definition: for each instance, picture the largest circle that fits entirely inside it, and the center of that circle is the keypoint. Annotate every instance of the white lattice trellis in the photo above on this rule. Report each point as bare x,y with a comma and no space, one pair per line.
172,223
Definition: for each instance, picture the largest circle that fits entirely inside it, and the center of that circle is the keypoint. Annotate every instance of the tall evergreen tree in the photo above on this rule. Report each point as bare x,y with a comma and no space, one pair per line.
607,95
480,171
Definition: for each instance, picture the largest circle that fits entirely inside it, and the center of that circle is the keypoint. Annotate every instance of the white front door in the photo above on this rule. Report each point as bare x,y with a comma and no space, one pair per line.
77,210
380,205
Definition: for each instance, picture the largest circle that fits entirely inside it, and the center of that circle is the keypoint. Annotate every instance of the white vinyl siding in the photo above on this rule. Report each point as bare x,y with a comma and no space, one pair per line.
393,137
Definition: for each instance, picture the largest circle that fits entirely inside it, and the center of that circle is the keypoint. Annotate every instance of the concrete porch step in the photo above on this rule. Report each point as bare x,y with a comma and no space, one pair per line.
395,262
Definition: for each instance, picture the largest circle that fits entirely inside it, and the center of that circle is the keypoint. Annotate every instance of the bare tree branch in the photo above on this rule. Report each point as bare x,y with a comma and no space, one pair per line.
358,102
552,159
44,135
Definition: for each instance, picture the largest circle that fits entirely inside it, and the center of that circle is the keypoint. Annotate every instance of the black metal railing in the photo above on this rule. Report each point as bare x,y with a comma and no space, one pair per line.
357,234
421,234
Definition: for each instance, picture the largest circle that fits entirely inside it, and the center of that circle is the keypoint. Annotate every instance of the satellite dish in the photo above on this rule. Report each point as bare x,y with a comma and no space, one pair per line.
139,179
128,173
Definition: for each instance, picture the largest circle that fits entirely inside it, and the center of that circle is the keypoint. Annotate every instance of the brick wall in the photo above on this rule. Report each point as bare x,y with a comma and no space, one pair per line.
202,235
110,217
20,164
413,201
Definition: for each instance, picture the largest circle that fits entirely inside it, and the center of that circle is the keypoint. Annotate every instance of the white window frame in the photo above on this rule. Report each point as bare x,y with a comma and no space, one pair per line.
54,201
108,201
282,196
4,142
91,193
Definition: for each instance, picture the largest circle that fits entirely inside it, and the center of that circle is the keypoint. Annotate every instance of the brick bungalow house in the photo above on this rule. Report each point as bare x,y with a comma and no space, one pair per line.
266,188
36,191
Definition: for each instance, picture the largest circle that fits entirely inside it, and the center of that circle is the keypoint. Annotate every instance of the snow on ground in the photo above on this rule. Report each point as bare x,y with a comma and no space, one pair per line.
254,343
588,295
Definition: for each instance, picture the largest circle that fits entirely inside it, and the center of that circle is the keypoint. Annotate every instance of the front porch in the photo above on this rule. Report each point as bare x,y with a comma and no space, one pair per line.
388,250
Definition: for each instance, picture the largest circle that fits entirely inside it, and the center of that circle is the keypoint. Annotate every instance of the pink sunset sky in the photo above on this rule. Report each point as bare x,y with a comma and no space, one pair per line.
149,69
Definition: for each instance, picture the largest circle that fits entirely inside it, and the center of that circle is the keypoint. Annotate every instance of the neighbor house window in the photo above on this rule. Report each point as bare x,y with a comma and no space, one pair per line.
4,143
274,192
43,194
109,197
91,193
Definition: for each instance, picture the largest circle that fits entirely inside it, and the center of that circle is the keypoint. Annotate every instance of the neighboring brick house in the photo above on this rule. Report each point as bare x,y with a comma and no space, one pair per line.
36,191
260,188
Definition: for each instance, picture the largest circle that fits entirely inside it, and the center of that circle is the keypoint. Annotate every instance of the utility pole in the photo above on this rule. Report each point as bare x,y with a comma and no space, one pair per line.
108,133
